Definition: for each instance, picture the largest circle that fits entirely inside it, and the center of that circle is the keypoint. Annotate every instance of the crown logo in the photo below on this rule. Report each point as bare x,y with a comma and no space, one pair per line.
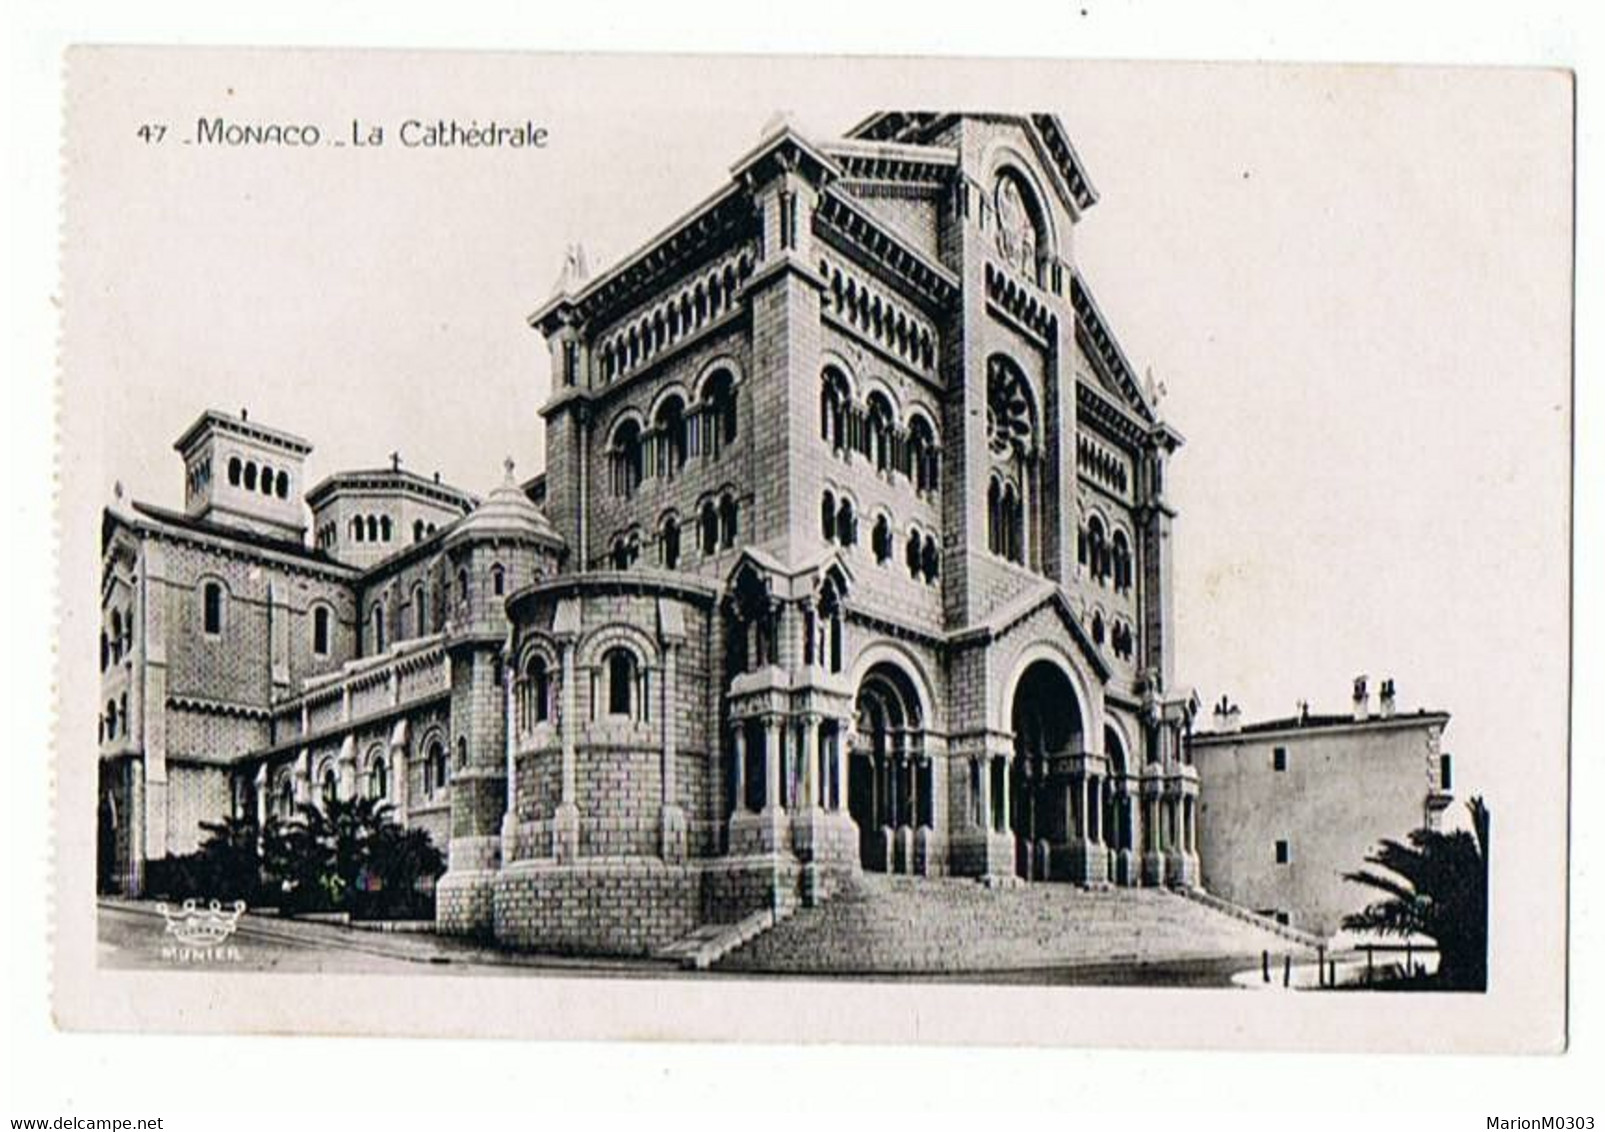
194,926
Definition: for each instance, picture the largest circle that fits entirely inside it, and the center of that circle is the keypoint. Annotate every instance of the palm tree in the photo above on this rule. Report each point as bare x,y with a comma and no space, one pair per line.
1438,889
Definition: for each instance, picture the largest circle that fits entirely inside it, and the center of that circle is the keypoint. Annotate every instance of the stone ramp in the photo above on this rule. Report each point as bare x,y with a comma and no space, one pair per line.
883,924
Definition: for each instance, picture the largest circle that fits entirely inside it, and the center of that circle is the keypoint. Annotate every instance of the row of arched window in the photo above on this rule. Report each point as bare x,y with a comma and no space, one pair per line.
1101,464
1121,636
114,720
414,619
370,528
718,526
921,554
116,640
263,479
1107,559
676,434
689,311
1005,518
377,781
879,318
200,474
872,431
620,689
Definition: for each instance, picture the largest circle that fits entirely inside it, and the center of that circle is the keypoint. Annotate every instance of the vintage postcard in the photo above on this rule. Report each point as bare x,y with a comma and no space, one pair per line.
810,549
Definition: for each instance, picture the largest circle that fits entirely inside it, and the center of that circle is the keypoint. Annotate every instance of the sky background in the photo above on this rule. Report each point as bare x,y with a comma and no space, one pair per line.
1353,281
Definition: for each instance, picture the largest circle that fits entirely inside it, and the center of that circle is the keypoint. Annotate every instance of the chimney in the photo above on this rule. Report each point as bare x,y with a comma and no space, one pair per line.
1386,706
1362,700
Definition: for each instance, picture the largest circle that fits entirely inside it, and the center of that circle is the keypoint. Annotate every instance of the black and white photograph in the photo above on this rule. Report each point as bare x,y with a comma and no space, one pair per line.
612,543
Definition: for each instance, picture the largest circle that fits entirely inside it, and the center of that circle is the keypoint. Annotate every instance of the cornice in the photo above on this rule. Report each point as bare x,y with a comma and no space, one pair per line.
843,223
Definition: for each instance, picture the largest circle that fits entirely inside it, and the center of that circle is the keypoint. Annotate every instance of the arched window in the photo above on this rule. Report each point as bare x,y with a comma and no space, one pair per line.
619,663
462,584
116,637
331,785
921,455
250,476
1097,549
930,560
880,432
384,528
320,630
708,520
1011,425
718,409
1121,560
827,516
670,441
669,542
729,521
372,522
537,691
235,469
420,610
378,780
881,539
105,651
625,457
376,623
846,523
911,554
417,530
435,768
212,607
498,580
356,529
834,402
286,797
1097,628
622,556
462,752
267,480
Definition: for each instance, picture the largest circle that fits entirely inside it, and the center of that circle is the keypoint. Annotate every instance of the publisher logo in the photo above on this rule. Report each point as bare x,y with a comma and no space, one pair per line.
199,934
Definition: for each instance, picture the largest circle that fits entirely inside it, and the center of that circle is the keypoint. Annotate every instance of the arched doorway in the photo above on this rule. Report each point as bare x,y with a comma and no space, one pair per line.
888,773
1047,721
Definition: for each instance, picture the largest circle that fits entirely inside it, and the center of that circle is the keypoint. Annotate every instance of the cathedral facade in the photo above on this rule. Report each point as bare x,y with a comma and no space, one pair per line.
852,553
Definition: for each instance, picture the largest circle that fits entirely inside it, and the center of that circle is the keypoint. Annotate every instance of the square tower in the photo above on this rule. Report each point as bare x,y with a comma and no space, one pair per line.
241,474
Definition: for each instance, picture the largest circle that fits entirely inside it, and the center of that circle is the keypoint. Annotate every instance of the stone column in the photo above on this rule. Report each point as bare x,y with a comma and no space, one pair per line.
811,750
771,762
983,804
738,745
566,820
671,822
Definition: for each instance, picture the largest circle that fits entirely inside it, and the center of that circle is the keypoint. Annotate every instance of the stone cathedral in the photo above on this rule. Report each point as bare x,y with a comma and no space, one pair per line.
852,554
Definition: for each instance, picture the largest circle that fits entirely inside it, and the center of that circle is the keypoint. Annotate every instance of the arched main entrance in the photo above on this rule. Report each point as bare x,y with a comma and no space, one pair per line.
888,774
1047,721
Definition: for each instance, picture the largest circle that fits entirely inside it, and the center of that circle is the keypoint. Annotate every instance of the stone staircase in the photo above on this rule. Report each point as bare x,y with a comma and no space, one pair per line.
883,924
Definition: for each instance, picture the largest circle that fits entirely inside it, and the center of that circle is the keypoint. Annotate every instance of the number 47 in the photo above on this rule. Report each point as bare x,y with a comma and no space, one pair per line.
152,134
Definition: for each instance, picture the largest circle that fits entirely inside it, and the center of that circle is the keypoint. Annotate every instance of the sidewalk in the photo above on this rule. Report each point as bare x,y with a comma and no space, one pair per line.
410,946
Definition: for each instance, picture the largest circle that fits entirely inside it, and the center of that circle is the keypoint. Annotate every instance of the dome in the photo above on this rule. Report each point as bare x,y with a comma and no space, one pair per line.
505,512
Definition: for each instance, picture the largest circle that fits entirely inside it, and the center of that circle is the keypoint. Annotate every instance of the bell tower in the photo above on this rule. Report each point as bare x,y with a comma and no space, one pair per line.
242,474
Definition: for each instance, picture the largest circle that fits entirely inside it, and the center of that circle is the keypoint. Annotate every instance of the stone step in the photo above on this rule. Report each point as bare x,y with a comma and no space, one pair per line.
880,923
